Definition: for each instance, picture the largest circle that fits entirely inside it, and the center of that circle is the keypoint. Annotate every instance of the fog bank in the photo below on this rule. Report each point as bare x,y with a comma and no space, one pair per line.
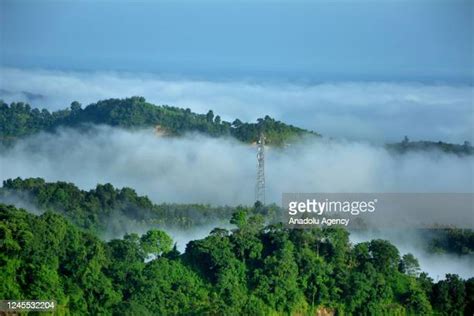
198,169
375,111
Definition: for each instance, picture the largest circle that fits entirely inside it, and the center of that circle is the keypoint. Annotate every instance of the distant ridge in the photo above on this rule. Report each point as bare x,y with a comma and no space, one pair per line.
408,146
18,120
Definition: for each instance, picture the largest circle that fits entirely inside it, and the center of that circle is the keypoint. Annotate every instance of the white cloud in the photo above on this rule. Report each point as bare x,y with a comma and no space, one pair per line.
375,111
222,171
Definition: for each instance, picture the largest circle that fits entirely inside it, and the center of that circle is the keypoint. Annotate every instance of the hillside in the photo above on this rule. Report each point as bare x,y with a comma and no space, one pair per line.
111,211
252,270
417,146
19,119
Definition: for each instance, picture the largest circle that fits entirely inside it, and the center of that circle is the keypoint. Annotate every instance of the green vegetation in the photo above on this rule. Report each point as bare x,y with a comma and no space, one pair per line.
251,270
407,146
19,120
255,269
110,211
106,209
452,240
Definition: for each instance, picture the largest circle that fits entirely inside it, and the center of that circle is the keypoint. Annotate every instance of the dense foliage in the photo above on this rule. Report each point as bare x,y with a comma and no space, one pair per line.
19,119
252,270
111,211
452,240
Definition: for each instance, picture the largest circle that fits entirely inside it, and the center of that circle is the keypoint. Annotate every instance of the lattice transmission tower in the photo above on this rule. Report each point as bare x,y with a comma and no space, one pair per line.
260,185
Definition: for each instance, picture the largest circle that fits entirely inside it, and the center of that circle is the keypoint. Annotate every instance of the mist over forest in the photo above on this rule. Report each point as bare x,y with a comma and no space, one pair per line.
198,168
374,111
141,178
128,171
163,157
221,171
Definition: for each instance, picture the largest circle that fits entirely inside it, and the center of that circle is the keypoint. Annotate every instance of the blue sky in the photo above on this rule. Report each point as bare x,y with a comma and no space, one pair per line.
318,40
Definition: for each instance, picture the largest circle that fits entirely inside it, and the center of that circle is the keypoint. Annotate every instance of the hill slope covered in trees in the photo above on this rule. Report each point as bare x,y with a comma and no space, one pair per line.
109,210
19,120
252,270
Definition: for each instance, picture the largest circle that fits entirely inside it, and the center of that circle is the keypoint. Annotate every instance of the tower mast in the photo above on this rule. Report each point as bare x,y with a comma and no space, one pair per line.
260,185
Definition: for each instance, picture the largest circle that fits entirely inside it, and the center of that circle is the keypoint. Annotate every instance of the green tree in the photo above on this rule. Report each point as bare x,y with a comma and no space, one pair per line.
156,242
449,296
409,265
210,116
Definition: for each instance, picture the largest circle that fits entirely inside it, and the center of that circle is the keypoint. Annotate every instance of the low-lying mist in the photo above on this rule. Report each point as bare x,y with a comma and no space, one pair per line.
375,111
21,200
219,171
198,169
118,224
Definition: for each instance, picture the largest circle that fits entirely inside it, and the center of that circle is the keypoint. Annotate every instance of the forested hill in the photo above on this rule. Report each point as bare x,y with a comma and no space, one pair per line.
19,119
111,211
251,270
409,146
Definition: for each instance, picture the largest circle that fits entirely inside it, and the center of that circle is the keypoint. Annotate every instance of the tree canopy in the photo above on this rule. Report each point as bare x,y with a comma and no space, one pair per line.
110,210
18,120
408,146
274,271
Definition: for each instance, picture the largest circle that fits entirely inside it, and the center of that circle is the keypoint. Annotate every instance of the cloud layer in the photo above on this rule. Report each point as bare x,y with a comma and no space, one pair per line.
222,171
374,111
